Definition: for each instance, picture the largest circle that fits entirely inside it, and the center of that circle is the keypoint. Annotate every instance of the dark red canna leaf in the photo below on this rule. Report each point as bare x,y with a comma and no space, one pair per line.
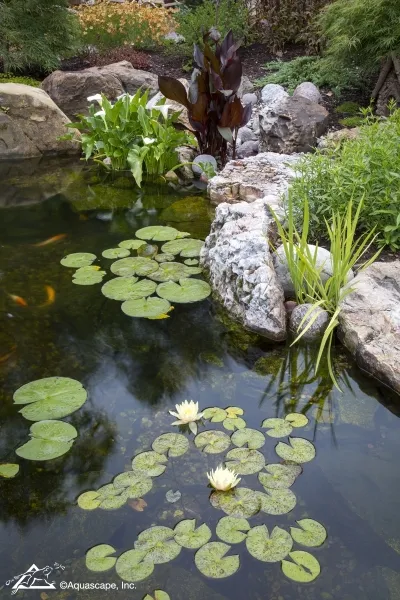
173,89
198,56
232,75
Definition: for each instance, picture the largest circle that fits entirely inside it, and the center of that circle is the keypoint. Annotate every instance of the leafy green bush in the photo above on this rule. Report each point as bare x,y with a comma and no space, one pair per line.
36,34
366,168
10,78
133,133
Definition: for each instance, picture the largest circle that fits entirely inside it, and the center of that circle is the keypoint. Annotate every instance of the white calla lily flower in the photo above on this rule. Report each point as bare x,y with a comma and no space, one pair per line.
223,479
100,113
162,108
147,141
187,413
95,98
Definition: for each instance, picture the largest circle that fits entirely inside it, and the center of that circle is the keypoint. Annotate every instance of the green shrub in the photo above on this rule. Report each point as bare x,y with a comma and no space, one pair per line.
354,121
366,168
348,108
36,34
10,78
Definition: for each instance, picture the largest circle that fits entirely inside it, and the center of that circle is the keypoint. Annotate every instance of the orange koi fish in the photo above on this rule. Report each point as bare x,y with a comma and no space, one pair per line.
5,357
51,295
18,300
55,238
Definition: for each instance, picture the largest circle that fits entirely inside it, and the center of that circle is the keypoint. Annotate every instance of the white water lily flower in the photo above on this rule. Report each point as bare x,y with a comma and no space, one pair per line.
95,98
223,479
187,413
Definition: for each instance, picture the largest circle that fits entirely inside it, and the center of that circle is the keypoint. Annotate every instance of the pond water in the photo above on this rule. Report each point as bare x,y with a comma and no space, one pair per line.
135,370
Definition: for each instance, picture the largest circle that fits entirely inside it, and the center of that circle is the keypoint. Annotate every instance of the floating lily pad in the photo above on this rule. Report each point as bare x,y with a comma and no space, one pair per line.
165,257
233,423
89,278
245,461
150,463
98,559
191,262
157,595
134,265
113,502
131,244
50,398
253,438
9,470
158,233
78,259
172,496
128,288
109,490
215,414
89,500
135,484
38,449
234,412
130,566
311,534
84,271
279,476
148,308
58,431
188,290
266,547
115,253
232,530
297,419
277,502
188,536
171,444
211,560
239,502
277,427
212,442
299,450
187,248
304,569
159,544
173,271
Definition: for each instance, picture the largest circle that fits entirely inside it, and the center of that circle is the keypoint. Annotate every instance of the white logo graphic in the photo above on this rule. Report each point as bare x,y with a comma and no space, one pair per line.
34,579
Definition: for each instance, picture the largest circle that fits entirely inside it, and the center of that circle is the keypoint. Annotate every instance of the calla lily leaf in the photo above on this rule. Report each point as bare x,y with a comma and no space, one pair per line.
130,566
171,444
158,233
239,502
299,450
266,547
98,559
234,411
157,595
148,308
211,560
311,534
277,502
159,544
38,449
304,569
89,500
212,442
78,259
188,290
57,431
150,463
165,257
131,244
134,265
187,248
191,262
50,398
215,414
173,271
188,536
233,423
279,476
253,438
297,419
9,470
128,288
134,484
245,461
232,530
115,253
277,427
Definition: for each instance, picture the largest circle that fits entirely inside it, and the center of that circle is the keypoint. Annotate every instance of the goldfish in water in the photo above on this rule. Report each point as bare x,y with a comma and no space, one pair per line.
5,357
18,300
55,238
51,295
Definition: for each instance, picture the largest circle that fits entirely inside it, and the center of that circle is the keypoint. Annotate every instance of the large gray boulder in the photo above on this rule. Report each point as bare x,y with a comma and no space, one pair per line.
369,322
31,124
71,89
237,257
292,125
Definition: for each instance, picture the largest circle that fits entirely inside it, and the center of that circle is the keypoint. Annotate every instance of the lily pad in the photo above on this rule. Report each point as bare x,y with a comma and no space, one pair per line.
304,569
130,566
113,502
57,431
215,414
131,244
157,595
234,412
50,398
253,438
232,530
211,560
173,271
159,544
84,271
187,248
115,253
279,476
311,534
78,259
98,559
172,496
191,262
165,257
171,444
277,428
38,449
134,265
128,288
150,463
135,484
245,461
212,442
148,308
239,502
158,233
297,419
299,450
188,536
266,547
109,490
277,502
89,278
233,423
89,500
188,290
8,470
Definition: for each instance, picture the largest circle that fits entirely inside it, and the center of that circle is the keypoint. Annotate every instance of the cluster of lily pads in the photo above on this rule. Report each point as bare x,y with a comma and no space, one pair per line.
160,544
162,273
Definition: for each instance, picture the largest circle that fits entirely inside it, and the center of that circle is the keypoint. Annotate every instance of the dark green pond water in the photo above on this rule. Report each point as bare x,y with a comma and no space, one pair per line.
135,370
